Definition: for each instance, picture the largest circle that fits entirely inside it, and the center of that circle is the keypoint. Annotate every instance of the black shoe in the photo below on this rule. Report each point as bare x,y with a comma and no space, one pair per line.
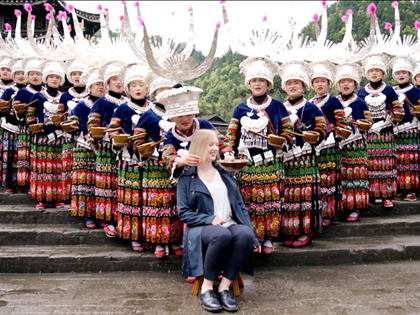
209,301
228,301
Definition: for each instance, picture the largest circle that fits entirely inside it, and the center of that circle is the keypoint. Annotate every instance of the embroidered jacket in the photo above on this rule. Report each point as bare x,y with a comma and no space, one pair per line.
380,101
81,113
359,108
102,111
24,95
412,95
310,118
152,125
42,109
333,111
9,93
248,116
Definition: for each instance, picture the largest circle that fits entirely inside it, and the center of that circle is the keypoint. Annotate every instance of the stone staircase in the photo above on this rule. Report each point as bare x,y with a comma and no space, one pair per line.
50,240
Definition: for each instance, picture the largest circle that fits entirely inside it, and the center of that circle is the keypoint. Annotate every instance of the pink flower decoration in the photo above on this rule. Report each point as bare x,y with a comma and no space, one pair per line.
32,17
344,18
324,3
27,7
349,11
265,18
121,17
388,25
371,8
69,27
417,24
69,7
106,10
190,9
48,16
315,18
394,4
123,2
47,6
218,25
136,4
140,21
61,15
376,17
99,7
18,12
7,27
222,2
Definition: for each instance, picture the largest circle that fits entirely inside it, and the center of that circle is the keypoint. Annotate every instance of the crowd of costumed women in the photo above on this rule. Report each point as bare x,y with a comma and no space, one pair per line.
113,146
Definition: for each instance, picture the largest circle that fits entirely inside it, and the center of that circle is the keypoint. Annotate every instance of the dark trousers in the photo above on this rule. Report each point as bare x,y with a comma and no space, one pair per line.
227,249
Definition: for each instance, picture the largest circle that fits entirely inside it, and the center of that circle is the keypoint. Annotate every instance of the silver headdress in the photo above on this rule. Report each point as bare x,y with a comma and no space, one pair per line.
50,67
323,69
17,65
5,63
156,82
401,63
416,71
349,71
378,61
32,64
180,101
90,77
109,70
259,67
134,72
74,66
298,70
179,67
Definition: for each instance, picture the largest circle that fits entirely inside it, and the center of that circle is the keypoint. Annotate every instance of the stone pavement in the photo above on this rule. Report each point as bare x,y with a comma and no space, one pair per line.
345,289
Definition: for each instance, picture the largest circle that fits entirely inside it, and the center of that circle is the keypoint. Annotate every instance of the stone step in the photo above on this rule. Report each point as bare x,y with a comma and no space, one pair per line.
16,199
47,234
401,207
375,226
114,257
23,214
354,250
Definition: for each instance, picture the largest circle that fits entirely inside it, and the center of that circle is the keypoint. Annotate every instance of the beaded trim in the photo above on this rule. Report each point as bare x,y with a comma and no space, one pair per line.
323,102
157,111
348,102
404,90
257,107
76,95
32,90
187,139
51,99
373,91
139,110
89,103
115,100
297,106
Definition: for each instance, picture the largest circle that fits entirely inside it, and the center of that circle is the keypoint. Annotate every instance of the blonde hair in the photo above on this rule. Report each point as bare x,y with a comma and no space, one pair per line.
200,142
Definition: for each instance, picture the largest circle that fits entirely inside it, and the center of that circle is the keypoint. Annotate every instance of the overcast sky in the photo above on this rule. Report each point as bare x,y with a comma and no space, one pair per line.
171,18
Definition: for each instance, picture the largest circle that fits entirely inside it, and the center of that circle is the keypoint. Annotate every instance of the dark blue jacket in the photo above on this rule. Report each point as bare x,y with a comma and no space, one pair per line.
195,208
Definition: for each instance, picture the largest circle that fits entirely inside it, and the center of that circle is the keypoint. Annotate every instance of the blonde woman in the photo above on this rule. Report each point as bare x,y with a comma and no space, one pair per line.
210,204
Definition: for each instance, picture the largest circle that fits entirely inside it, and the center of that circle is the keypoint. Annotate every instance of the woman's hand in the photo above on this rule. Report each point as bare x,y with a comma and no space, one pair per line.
217,221
190,160
257,249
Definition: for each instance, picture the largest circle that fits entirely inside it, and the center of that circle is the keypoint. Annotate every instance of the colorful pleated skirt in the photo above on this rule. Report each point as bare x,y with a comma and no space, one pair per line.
83,183
161,224
261,188
129,201
46,168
